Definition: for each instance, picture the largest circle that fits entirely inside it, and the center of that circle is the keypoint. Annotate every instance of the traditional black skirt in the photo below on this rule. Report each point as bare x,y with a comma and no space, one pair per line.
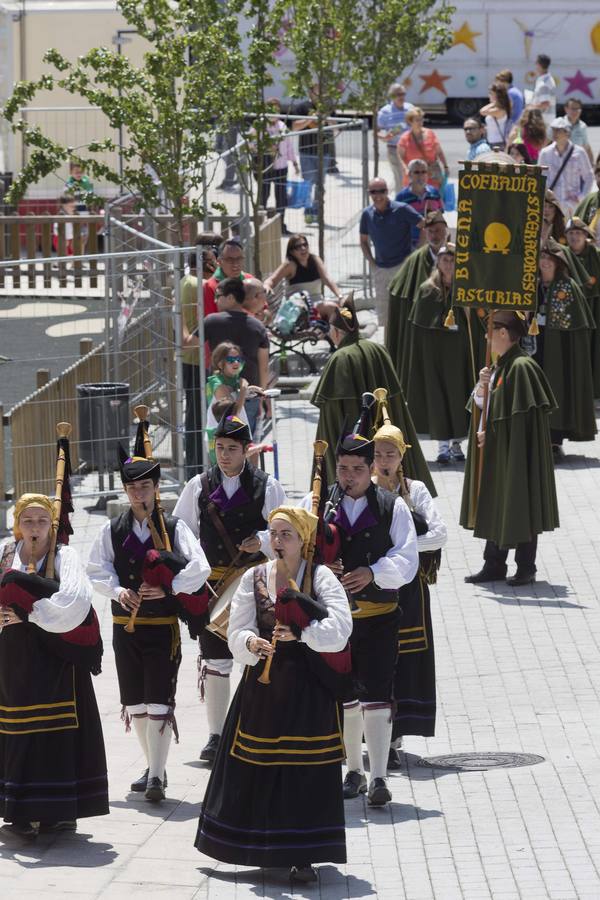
414,678
52,761
274,797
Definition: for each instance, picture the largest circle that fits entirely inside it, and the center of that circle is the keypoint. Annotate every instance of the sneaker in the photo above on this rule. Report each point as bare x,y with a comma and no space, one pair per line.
444,458
209,752
355,783
57,827
21,831
379,793
155,790
457,453
305,874
141,783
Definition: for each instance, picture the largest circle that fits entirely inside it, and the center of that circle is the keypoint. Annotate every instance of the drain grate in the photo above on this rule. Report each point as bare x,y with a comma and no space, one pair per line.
479,762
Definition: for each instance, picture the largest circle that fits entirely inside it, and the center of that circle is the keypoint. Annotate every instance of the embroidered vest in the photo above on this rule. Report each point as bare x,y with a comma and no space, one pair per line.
363,543
240,514
129,558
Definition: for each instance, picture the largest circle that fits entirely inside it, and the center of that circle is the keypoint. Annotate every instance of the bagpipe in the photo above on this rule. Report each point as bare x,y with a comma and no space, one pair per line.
297,608
20,591
162,564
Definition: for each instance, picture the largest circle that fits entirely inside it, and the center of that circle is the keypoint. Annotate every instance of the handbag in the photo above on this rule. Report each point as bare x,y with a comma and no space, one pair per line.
298,194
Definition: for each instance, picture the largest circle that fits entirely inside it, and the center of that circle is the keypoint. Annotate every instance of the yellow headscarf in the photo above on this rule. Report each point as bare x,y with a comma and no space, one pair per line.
301,521
392,434
25,501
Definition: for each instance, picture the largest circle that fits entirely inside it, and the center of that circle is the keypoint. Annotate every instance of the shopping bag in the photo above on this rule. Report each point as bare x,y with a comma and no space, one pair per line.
449,197
298,193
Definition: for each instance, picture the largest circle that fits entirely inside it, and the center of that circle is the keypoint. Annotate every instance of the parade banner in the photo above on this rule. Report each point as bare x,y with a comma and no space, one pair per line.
500,215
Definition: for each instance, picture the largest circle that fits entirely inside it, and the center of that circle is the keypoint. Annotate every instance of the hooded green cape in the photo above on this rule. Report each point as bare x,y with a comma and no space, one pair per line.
443,365
566,360
517,499
588,207
415,269
590,257
357,366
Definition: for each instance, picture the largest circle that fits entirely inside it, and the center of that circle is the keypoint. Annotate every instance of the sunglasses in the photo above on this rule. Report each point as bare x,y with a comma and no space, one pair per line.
378,191
302,246
233,359
419,171
470,128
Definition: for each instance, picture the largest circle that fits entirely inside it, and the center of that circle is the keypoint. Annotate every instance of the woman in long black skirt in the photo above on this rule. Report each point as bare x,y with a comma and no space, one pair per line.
52,762
274,798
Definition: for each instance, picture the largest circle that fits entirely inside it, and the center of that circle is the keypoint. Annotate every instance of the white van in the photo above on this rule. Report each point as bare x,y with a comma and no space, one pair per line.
490,35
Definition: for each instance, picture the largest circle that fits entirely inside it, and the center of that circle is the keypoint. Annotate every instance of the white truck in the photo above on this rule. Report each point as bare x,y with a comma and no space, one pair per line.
489,35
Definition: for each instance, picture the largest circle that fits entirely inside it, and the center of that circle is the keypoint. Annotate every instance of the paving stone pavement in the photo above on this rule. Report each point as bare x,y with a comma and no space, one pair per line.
518,671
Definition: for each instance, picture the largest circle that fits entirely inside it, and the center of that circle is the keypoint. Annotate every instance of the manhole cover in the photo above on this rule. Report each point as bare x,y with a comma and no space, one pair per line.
479,762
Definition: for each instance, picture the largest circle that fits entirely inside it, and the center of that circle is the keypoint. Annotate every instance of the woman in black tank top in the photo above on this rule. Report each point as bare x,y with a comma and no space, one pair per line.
303,271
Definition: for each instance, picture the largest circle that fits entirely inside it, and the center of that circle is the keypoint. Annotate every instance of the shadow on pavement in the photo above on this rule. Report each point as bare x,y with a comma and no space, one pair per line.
275,883
76,850
171,808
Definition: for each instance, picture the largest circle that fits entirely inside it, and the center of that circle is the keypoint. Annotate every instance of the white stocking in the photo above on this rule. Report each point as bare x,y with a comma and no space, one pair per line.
378,733
140,725
158,746
353,731
216,696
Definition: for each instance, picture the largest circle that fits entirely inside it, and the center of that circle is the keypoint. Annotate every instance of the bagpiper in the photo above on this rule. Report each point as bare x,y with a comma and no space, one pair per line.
52,760
151,567
227,509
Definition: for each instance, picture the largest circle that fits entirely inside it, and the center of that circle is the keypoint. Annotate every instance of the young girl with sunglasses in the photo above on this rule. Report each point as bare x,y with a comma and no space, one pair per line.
226,384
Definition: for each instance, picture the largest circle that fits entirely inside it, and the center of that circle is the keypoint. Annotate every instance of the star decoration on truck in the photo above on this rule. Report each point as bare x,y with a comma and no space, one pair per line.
465,35
434,80
579,82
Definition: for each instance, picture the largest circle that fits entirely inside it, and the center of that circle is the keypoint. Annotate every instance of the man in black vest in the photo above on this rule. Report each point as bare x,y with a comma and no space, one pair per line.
155,588
379,555
227,508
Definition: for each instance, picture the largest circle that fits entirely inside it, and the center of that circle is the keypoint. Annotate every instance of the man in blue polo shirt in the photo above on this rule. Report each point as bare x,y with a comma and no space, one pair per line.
387,226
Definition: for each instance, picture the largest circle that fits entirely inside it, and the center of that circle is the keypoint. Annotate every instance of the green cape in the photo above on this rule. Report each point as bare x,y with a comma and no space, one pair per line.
590,258
415,269
443,366
518,493
357,366
588,207
567,361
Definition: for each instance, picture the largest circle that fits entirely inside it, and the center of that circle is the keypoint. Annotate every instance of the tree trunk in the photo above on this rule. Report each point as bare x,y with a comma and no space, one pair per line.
375,144
321,185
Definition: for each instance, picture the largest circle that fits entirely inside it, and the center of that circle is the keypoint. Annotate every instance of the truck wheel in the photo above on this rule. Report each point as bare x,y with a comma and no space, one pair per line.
463,108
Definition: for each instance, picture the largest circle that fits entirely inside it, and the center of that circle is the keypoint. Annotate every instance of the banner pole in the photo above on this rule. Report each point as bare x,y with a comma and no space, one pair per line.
486,395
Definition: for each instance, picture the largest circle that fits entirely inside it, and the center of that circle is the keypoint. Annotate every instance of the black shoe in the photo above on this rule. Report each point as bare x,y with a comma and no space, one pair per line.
379,793
486,574
286,231
394,762
226,186
22,831
209,752
520,578
56,827
354,784
558,452
155,790
305,874
141,784
333,170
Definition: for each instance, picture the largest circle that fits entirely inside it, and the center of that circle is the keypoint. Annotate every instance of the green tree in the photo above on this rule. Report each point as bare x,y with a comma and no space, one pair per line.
387,37
319,36
168,108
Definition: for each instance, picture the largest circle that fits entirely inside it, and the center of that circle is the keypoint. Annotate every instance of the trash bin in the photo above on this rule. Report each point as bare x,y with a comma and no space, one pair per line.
104,418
